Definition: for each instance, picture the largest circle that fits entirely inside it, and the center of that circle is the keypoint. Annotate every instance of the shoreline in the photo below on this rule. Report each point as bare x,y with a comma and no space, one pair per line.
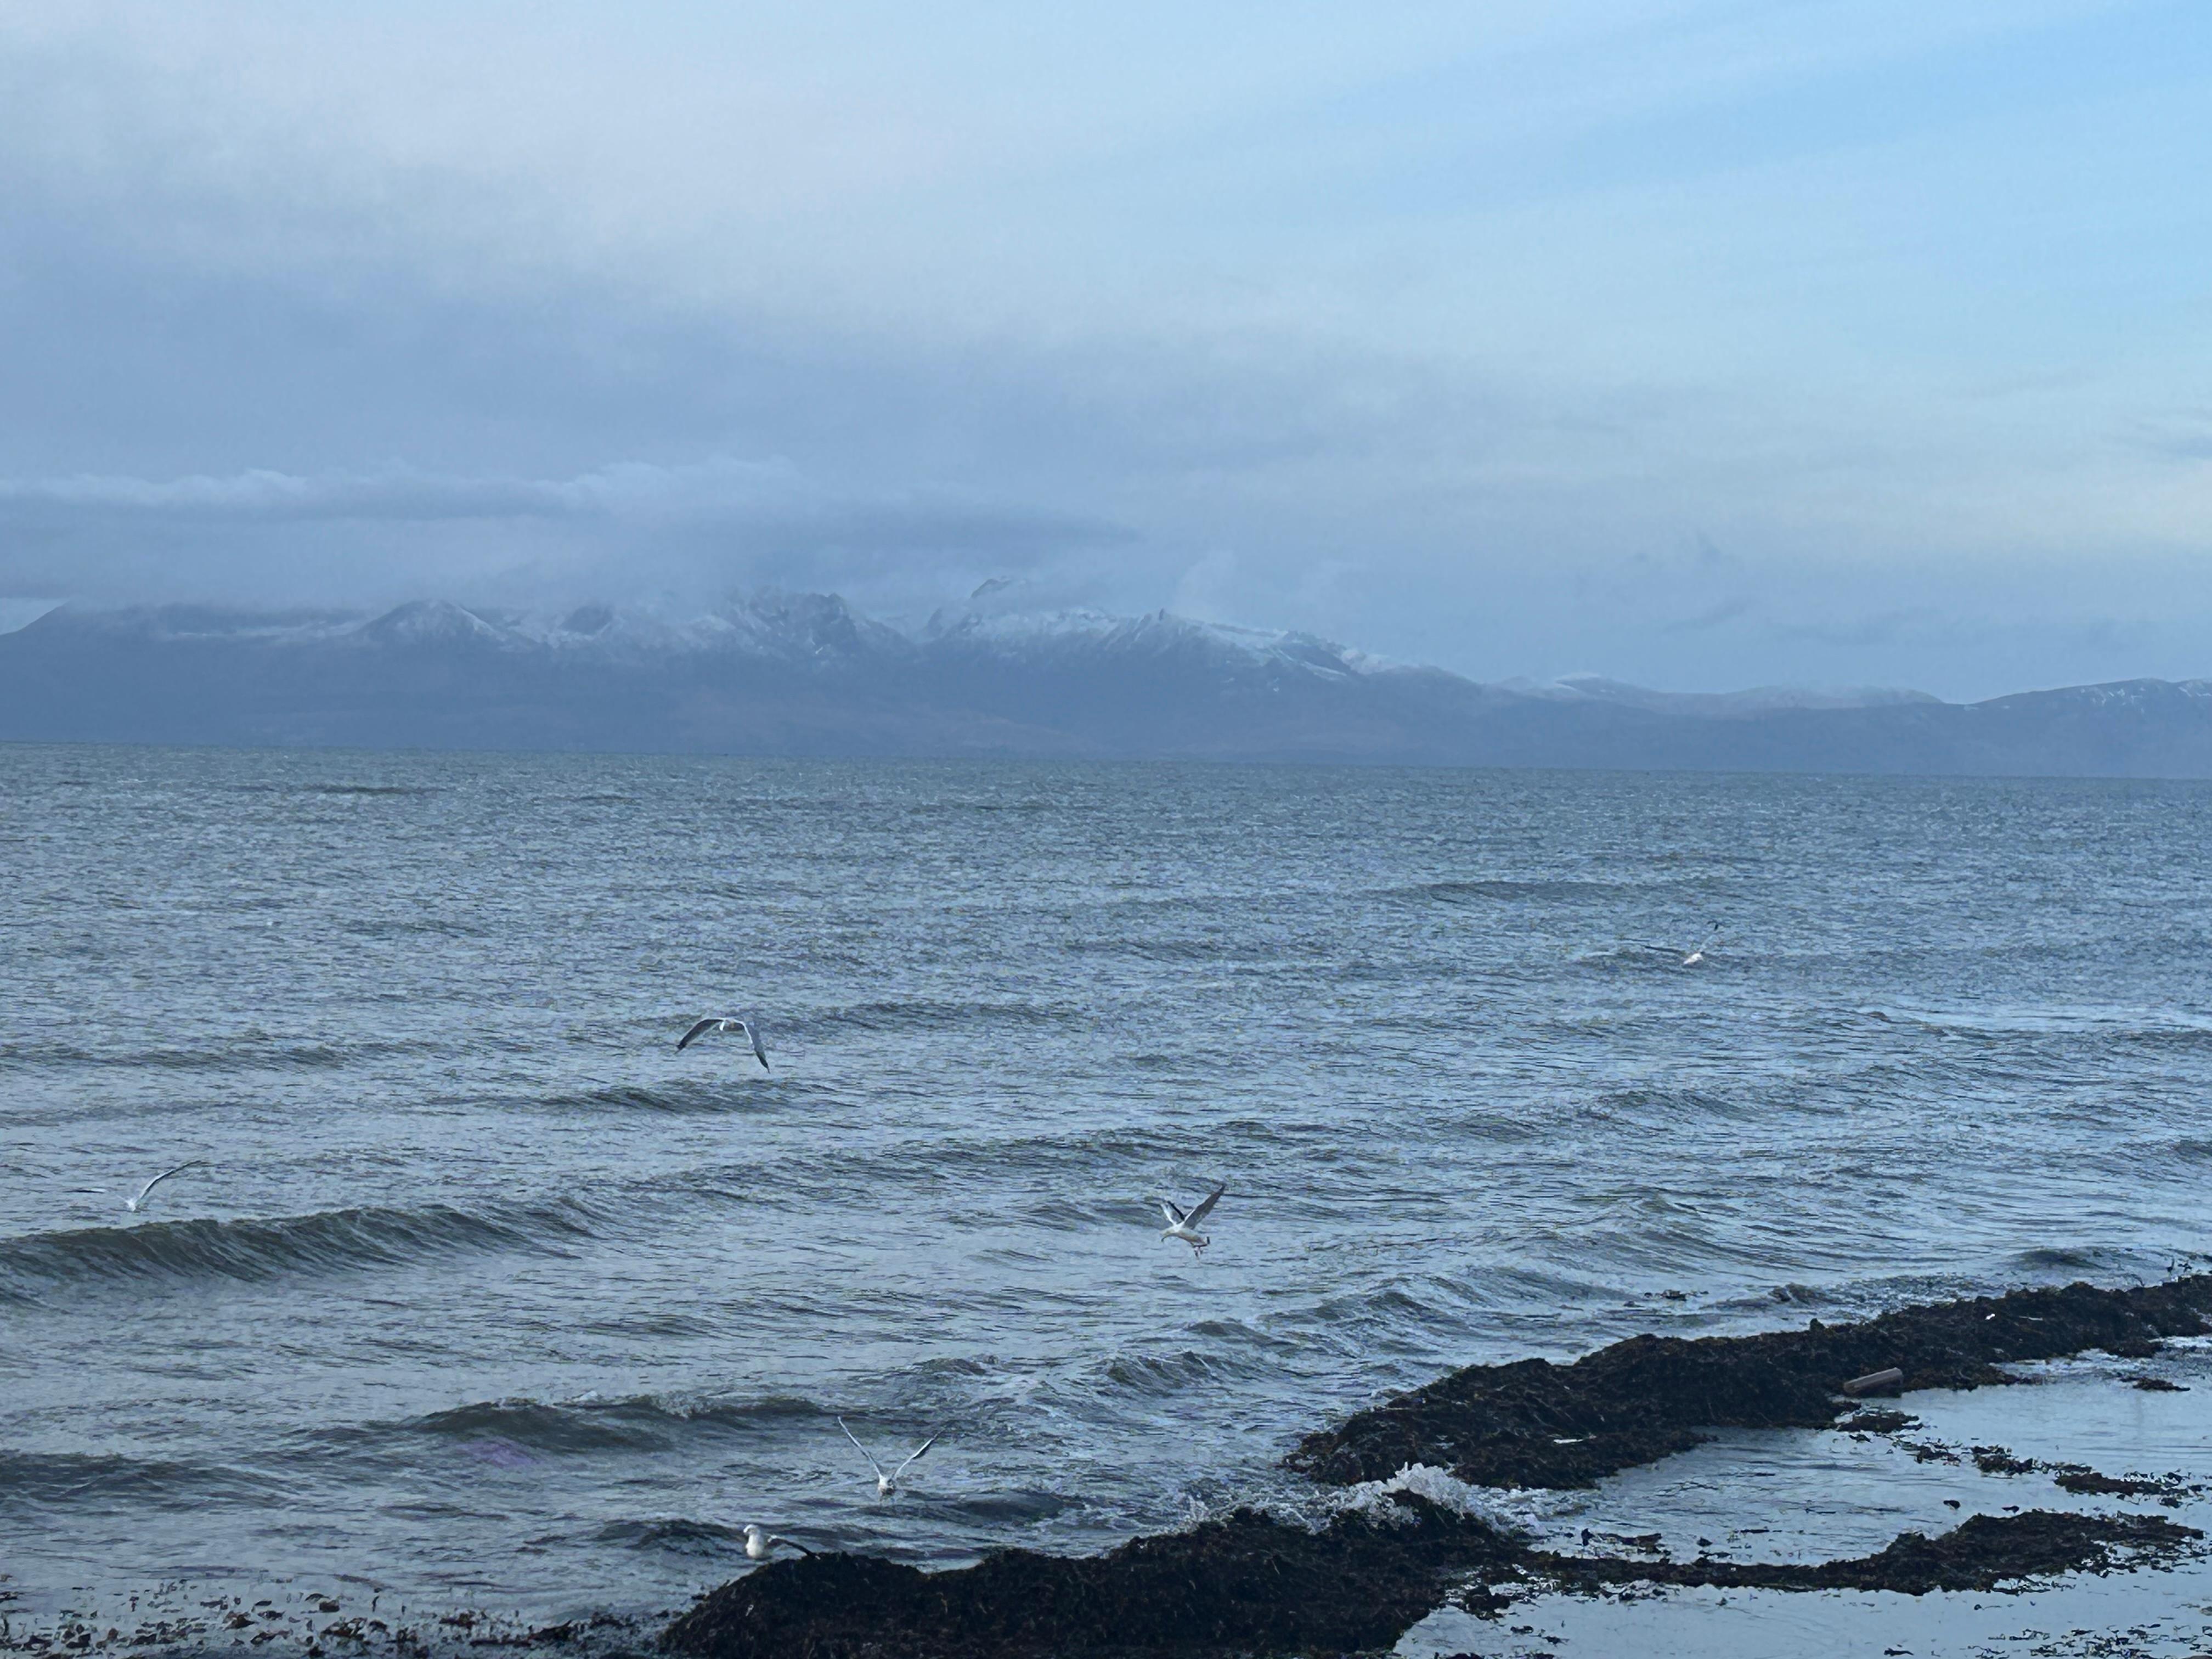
1420,1543
1252,1584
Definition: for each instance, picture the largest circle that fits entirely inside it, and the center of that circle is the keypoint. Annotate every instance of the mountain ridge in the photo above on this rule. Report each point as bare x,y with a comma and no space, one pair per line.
781,673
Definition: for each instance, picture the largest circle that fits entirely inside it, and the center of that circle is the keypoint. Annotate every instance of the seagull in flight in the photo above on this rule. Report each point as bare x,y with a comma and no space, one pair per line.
886,1484
134,1205
760,1543
1183,1225
730,1022
1698,954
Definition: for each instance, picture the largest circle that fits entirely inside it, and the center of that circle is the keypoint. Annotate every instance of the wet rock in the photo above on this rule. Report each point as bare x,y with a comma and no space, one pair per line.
1878,1422
1648,1543
1999,1460
1979,1554
1252,1585
2077,1478
1648,1397
1928,1451
2081,1479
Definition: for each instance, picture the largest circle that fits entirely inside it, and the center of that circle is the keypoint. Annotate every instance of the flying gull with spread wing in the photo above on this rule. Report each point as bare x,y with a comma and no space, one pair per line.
886,1484
1183,1224
725,1023
134,1205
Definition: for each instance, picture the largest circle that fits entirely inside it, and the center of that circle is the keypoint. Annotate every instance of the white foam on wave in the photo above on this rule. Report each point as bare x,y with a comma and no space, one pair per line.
1517,1513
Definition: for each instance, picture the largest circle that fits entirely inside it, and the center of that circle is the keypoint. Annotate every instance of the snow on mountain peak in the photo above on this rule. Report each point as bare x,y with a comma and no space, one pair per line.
433,622
1159,633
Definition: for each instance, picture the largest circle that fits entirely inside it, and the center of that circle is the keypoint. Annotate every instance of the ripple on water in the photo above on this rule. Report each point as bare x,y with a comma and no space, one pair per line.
1417,1021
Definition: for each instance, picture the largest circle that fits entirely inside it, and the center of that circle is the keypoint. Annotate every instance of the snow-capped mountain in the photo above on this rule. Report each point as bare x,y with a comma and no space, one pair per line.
805,673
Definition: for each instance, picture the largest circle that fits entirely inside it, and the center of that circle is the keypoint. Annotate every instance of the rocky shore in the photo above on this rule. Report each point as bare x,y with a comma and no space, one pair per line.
1254,1584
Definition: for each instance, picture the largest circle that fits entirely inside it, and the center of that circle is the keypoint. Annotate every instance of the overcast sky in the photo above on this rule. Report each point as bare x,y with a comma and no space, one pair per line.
1702,342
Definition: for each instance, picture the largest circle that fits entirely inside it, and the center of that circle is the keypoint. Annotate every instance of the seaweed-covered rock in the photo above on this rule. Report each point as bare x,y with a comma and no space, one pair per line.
1535,1424
1246,1584
1251,1586
1979,1554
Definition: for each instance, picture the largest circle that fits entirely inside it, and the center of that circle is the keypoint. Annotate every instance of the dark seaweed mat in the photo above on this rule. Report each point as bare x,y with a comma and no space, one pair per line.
1645,1398
1980,1553
1246,1585
1251,1585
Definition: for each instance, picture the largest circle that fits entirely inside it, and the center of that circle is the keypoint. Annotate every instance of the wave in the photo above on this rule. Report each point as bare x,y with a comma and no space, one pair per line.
327,1241
950,1366
1237,1333
930,1014
1174,1373
77,1481
518,1431
655,1325
2064,1259
2155,1028
1088,1174
335,789
680,1536
1672,1105
720,1092
1464,892
1647,955
1016,1507
530,1425
437,926
304,1056
1171,950
251,1050
946,808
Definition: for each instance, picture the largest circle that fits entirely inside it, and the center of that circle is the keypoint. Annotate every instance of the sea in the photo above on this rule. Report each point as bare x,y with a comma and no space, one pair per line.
482,1300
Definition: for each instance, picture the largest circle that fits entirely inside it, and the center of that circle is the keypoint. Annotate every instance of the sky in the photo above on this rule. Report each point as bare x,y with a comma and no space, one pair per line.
1703,343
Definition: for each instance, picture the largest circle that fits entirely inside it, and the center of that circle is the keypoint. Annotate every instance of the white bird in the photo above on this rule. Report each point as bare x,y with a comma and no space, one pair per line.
134,1205
886,1484
1698,954
1183,1225
727,1024
760,1543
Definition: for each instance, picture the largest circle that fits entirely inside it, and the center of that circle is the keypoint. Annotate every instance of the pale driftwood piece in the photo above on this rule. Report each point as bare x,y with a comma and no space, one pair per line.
1874,1382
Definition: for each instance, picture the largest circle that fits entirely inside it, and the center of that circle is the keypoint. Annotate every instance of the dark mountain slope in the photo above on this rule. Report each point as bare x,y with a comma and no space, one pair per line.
805,675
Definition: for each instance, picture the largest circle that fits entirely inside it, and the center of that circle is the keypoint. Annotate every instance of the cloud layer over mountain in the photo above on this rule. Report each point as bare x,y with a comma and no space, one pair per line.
1703,343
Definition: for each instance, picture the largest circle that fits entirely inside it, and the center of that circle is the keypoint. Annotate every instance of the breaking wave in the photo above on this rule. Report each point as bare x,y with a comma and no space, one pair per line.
520,1432
328,1241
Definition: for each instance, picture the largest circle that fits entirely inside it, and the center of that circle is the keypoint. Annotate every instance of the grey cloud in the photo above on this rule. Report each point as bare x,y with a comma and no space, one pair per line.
1885,629
717,491
1713,616
354,536
2186,436
1694,587
271,379
263,496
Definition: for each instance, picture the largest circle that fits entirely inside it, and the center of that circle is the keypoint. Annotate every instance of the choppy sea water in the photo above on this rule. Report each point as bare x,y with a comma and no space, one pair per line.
489,1298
